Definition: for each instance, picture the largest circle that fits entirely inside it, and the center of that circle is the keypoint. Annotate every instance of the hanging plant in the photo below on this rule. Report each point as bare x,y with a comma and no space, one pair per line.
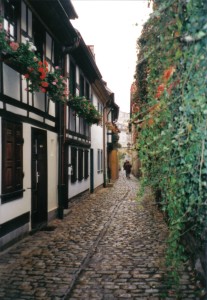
41,80
85,109
23,57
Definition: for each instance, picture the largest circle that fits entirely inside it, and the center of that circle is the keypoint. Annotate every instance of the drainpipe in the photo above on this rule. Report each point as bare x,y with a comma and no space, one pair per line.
205,264
105,117
104,146
61,137
60,164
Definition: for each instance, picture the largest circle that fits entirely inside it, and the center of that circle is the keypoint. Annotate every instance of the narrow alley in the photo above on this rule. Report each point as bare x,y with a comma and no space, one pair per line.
108,246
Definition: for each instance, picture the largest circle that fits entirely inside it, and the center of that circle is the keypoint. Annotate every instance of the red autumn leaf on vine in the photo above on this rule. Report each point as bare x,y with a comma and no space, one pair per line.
172,85
135,108
168,73
154,108
160,90
150,122
169,90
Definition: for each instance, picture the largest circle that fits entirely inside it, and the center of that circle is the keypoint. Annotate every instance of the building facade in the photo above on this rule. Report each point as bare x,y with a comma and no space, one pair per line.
49,152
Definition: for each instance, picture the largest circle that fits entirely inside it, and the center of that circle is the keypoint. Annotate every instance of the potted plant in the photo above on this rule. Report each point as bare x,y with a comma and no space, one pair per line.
85,109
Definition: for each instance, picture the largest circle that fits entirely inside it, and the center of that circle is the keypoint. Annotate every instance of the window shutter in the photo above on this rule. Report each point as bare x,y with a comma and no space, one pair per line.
12,161
86,164
80,164
74,164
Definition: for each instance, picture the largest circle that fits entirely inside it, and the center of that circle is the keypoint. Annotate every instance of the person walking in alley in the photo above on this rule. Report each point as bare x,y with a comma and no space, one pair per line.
127,167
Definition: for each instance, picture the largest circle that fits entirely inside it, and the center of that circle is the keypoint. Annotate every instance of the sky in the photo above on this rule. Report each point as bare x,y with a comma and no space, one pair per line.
113,27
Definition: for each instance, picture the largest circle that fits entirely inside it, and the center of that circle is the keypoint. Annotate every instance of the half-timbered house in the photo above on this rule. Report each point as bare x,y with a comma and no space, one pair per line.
85,145
29,123
50,153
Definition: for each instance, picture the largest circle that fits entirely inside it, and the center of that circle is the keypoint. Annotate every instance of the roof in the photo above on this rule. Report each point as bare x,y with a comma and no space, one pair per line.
51,12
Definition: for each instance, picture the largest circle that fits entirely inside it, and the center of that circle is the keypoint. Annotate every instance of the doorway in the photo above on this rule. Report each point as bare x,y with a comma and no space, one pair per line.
39,178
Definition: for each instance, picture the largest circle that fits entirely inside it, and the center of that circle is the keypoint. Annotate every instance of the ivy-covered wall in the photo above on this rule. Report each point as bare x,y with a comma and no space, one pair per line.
171,119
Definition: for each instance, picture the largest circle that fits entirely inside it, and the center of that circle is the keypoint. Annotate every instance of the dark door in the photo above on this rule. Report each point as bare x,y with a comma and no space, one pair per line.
39,177
91,171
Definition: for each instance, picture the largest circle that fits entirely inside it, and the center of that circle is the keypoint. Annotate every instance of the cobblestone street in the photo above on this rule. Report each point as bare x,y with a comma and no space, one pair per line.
108,246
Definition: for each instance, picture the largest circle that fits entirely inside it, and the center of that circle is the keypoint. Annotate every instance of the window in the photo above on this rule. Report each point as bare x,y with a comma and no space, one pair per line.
81,125
72,119
11,8
39,37
87,130
74,164
87,94
86,164
57,55
80,164
82,86
72,79
100,160
12,161
100,110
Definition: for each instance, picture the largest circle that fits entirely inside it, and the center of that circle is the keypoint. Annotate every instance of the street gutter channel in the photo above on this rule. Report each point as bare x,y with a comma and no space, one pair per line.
93,248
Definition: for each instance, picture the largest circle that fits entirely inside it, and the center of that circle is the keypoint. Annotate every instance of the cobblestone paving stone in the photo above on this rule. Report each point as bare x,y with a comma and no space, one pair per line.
109,246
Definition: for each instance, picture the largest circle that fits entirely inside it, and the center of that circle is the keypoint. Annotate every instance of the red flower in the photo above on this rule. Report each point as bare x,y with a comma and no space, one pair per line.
43,90
26,76
44,84
41,69
30,69
45,63
14,46
39,63
43,76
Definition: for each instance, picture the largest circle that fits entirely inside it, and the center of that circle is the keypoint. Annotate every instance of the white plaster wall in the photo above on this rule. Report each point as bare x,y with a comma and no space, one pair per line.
39,100
20,206
79,186
52,108
11,82
97,143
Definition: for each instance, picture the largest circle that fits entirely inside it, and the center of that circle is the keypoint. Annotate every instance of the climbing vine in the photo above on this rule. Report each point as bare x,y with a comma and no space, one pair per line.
171,117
